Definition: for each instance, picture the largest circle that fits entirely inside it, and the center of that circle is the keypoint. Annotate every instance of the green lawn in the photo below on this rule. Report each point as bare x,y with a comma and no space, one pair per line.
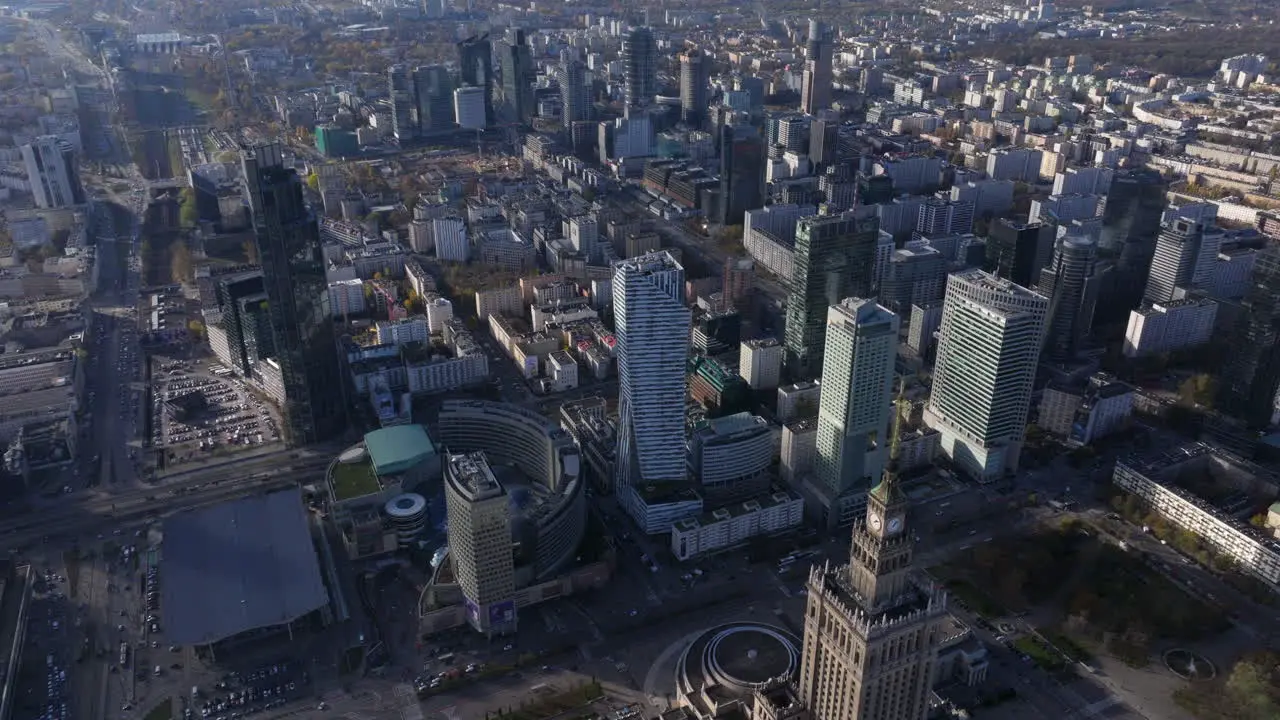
1040,654
352,480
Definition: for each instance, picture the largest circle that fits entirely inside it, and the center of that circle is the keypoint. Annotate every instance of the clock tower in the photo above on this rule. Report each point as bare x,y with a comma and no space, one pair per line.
873,627
881,551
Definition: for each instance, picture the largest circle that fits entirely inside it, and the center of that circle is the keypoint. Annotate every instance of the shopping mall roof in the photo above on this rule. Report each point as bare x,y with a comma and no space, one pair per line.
238,566
396,449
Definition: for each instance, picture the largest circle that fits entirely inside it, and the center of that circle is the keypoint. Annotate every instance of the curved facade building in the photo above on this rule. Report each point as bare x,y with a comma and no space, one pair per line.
407,515
548,504
728,663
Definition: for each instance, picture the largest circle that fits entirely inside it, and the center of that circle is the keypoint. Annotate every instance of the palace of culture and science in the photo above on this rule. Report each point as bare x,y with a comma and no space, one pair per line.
872,627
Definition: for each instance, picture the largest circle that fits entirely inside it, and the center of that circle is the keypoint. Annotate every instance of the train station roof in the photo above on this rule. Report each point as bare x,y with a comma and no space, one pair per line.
238,566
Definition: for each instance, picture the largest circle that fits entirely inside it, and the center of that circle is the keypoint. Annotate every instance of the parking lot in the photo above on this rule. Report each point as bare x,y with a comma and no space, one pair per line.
196,414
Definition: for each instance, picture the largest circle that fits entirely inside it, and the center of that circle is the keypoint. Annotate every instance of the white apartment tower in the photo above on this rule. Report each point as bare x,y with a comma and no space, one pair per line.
988,350
857,386
651,326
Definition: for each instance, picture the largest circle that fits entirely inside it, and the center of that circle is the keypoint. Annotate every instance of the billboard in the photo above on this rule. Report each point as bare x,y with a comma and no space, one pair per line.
502,613
473,613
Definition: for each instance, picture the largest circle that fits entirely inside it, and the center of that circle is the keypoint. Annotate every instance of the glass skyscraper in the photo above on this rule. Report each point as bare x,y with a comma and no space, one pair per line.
835,258
297,297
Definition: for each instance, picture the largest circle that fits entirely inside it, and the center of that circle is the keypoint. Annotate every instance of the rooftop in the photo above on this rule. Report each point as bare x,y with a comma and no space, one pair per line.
239,566
354,479
396,449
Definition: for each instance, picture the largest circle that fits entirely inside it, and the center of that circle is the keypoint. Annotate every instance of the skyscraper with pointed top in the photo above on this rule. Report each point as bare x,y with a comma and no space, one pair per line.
873,626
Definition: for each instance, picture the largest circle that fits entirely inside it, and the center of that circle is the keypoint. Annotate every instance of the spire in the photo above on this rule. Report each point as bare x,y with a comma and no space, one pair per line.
885,490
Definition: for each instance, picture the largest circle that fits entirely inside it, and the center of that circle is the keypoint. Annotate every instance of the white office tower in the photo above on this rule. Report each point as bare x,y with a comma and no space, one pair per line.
480,542
1185,257
468,107
988,350
854,407
651,325
52,170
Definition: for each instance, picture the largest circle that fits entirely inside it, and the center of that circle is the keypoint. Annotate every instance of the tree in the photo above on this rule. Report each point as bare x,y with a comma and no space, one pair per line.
188,212
250,248
1197,390
196,328
313,181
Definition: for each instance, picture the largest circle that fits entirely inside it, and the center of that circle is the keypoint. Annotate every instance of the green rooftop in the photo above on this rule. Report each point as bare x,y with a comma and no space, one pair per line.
396,449
354,479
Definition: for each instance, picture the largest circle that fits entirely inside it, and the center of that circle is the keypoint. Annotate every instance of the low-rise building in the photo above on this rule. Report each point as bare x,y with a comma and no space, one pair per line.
1153,479
736,524
731,456
1081,414
1169,326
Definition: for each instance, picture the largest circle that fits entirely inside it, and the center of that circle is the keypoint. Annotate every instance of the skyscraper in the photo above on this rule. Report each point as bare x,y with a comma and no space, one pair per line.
575,95
1248,384
400,90
815,93
872,626
695,72
1018,251
1071,282
1130,224
853,410
835,258
518,75
988,351
742,159
1185,256
480,542
475,61
824,139
651,325
433,98
53,172
293,273
640,61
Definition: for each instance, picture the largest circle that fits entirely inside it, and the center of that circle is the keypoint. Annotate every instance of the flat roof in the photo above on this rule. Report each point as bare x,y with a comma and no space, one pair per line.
396,449
238,566
354,479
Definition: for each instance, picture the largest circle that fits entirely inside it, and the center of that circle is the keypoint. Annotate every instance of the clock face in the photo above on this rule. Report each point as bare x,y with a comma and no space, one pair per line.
874,522
895,524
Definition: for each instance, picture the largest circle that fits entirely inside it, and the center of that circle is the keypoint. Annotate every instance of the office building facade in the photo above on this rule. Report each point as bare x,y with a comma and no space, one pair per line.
695,85
54,173
480,542
652,333
857,384
518,75
815,91
475,69
835,258
1248,383
293,271
640,67
1185,257
988,350
1071,283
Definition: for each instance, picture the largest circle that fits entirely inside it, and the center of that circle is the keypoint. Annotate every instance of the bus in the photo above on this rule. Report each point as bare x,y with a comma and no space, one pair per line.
221,371
445,657
124,654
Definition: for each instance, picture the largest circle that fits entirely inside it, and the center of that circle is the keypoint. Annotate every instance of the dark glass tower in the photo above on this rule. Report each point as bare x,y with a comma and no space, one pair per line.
1130,226
1018,251
695,71
517,77
835,258
1071,284
297,297
433,98
640,59
475,56
1248,383
741,172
